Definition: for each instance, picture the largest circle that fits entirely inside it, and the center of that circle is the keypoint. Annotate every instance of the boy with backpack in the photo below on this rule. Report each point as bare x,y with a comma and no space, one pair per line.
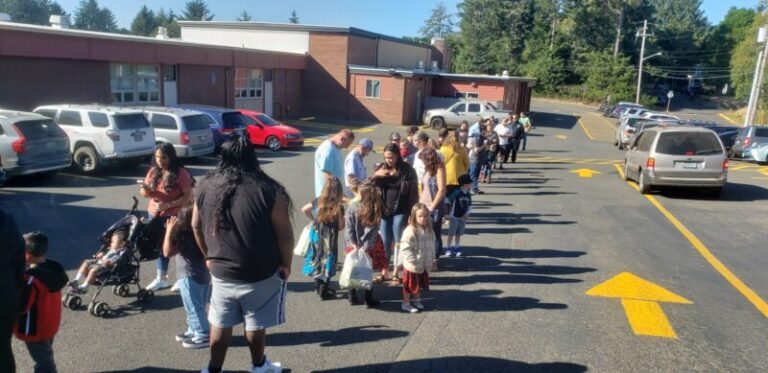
40,315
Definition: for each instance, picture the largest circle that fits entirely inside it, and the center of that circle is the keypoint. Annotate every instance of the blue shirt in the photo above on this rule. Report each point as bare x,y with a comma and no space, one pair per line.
353,165
328,158
474,130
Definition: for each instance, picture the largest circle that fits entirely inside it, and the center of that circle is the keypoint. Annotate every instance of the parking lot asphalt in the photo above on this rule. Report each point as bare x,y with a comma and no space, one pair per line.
537,291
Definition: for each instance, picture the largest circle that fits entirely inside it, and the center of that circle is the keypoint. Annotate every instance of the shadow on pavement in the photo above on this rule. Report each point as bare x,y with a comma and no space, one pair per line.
480,301
331,338
462,364
522,254
158,303
733,192
553,120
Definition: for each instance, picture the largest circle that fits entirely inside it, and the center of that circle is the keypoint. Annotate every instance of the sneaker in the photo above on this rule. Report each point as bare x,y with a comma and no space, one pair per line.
184,337
418,304
158,284
208,371
175,287
194,343
268,367
458,253
448,253
408,308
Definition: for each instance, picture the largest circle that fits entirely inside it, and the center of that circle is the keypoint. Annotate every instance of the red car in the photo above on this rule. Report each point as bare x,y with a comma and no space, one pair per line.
263,130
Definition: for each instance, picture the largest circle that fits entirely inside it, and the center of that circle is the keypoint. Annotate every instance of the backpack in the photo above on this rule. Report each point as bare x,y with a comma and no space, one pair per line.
40,315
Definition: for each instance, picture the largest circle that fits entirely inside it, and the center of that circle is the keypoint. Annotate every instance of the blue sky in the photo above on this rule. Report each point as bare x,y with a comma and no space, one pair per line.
390,17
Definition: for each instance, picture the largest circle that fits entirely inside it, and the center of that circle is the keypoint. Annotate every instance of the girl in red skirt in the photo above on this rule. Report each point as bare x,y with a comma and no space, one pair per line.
362,232
417,250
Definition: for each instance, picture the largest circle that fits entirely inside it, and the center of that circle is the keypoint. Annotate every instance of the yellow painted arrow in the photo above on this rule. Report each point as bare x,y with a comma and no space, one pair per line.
562,137
640,299
585,172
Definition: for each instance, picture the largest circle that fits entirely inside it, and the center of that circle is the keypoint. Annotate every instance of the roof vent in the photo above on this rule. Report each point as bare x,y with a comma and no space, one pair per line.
505,73
162,32
5,17
59,21
421,65
434,65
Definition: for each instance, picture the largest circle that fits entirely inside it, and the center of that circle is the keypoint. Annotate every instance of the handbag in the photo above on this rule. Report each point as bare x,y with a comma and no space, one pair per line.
302,245
357,272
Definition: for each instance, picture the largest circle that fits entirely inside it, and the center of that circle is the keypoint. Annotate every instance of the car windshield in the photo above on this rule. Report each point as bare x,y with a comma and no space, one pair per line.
196,122
761,132
267,120
491,106
688,143
233,120
39,129
130,121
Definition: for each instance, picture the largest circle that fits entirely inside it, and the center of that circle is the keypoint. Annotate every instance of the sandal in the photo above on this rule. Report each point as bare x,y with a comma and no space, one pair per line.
378,279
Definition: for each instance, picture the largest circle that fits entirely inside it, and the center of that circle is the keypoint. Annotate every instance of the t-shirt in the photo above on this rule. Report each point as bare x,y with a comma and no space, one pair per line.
526,122
504,133
244,248
461,202
111,256
475,130
328,158
353,165
160,194
418,164
190,261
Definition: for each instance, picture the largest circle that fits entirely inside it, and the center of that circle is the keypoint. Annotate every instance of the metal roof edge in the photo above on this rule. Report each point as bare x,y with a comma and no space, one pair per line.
419,72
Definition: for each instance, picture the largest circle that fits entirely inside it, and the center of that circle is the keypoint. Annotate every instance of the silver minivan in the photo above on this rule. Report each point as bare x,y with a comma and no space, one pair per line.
186,130
749,137
677,156
31,143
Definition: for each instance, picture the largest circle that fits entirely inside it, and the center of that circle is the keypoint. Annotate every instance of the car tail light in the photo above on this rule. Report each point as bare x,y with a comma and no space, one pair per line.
650,165
747,141
726,163
114,136
184,138
18,146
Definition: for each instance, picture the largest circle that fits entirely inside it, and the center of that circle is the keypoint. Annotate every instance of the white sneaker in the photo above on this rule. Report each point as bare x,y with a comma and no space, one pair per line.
268,367
418,305
207,371
448,253
408,308
458,253
158,284
195,343
175,287
183,337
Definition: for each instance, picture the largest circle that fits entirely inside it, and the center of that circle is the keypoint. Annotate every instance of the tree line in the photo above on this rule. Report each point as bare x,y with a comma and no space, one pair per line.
589,49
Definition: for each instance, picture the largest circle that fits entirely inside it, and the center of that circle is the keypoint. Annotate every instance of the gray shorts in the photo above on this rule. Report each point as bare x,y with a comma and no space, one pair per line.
456,227
259,304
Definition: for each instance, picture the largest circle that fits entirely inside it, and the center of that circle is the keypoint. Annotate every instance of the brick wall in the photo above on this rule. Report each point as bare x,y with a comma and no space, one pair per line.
208,85
286,95
386,109
324,82
490,91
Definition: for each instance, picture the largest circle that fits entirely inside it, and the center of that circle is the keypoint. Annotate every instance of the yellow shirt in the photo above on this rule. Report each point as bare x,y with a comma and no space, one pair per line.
456,164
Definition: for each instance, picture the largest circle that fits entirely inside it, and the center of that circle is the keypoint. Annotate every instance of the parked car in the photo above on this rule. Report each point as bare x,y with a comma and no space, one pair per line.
748,137
31,143
224,122
3,176
681,156
263,130
186,130
100,135
633,110
643,124
470,111
728,138
621,107
659,116
758,153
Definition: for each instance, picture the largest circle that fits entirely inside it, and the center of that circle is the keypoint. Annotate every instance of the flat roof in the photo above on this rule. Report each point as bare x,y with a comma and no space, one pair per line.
359,69
13,26
298,27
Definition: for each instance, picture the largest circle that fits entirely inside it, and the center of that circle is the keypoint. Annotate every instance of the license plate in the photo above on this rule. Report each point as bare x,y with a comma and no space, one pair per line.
138,137
690,166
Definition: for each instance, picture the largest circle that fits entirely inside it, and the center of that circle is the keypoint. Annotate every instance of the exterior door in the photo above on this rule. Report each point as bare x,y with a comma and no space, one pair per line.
170,85
268,101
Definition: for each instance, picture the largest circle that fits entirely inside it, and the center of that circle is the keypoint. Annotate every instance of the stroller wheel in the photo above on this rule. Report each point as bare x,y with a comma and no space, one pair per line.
122,291
73,303
98,309
145,295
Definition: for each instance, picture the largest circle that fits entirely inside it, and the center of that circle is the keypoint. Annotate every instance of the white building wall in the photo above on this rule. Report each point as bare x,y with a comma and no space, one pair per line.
270,40
393,54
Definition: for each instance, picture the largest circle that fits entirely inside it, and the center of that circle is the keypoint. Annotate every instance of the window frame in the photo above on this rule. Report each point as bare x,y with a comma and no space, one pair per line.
373,91
77,112
164,127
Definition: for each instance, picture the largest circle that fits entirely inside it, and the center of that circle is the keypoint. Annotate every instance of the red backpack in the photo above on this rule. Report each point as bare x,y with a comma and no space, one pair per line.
41,313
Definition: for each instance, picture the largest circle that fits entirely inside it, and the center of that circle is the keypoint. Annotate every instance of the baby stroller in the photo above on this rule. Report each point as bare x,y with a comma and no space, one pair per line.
143,243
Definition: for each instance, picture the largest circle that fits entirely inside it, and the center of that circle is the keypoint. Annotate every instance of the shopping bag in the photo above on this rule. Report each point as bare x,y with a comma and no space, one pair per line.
357,272
303,243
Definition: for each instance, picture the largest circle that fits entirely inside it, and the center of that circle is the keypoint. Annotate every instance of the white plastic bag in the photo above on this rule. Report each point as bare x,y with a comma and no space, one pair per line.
302,245
357,272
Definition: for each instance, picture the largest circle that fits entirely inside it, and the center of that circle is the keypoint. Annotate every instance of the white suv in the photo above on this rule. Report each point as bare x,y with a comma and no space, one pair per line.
102,134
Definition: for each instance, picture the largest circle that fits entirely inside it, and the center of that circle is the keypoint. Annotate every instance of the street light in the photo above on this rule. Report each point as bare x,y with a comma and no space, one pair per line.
640,74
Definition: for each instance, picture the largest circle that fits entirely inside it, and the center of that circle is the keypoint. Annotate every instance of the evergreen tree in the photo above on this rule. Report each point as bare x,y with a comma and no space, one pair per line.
145,23
168,20
294,17
89,16
196,10
439,24
244,17
37,12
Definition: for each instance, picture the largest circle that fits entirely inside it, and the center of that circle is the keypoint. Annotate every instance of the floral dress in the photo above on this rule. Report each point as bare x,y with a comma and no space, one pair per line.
321,258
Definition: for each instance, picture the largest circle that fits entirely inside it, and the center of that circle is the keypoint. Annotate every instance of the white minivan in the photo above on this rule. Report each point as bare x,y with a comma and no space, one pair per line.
103,134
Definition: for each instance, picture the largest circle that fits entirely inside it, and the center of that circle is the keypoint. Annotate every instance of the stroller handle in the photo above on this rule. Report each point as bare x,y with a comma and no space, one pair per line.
135,203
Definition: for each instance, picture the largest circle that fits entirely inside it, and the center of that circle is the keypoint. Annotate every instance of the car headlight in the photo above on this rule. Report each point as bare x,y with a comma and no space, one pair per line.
292,135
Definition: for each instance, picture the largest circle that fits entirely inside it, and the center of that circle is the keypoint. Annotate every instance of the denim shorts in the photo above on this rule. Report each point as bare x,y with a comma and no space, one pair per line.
259,305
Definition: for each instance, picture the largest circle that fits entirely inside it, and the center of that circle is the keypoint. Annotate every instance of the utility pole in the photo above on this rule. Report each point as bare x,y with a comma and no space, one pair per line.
642,59
757,80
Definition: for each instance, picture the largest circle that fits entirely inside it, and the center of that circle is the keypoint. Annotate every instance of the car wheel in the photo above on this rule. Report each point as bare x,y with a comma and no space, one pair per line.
643,183
86,160
273,143
436,123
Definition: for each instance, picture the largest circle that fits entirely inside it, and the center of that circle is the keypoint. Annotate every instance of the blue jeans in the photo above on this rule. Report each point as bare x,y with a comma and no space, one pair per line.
474,174
195,296
525,139
391,229
437,226
162,262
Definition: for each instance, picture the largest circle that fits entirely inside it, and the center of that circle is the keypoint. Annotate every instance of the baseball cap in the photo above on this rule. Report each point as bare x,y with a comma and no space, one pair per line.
465,179
366,143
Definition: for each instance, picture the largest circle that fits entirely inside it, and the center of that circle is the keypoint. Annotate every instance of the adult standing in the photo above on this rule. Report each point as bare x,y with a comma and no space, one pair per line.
527,127
11,279
422,140
456,161
242,223
504,132
518,133
354,168
433,192
168,185
329,161
399,189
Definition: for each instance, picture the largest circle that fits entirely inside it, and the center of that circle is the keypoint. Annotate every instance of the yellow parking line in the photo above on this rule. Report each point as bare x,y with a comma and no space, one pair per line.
584,128
607,123
729,276
727,118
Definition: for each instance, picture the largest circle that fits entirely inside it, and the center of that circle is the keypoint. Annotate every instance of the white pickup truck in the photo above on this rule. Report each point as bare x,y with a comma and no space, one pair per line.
471,111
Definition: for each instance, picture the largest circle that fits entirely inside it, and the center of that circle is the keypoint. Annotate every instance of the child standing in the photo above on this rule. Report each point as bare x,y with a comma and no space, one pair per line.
418,254
327,212
41,302
461,205
192,276
363,220
491,144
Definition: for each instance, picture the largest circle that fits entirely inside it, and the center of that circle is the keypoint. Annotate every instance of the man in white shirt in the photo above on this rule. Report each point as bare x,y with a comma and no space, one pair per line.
504,130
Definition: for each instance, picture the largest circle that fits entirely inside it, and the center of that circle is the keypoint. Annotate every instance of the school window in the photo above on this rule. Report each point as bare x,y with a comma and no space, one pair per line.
249,83
134,84
467,95
373,88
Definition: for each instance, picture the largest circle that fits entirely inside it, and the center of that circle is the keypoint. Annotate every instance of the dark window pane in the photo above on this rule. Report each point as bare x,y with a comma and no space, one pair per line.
688,143
165,122
233,120
71,118
196,122
39,129
98,119
130,121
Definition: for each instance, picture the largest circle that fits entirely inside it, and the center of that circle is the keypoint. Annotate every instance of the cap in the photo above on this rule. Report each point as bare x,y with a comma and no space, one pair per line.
465,179
394,136
366,143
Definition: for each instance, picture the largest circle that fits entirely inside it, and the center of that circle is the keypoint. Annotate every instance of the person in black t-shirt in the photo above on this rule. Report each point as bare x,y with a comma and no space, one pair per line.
242,223
11,279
